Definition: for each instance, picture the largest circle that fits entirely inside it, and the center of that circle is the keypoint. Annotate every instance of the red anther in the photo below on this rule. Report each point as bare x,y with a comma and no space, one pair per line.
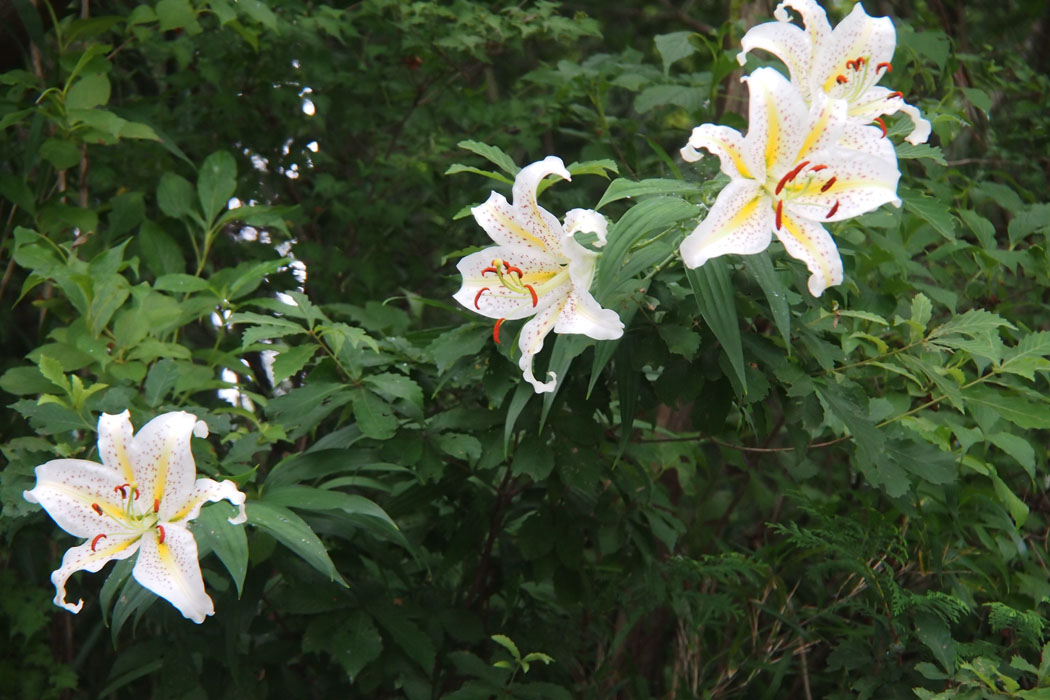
884,64
161,540
478,296
833,210
860,61
121,489
495,330
780,212
882,125
840,79
97,508
790,175
156,505
535,299
95,541
488,270
828,184
136,490
895,94
818,168
511,268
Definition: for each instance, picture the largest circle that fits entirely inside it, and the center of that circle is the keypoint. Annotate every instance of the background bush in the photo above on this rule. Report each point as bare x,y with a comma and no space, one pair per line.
752,494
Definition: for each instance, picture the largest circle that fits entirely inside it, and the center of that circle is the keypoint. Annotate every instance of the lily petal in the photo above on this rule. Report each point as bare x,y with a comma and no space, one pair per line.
206,490
114,440
531,342
809,242
91,556
163,462
862,183
503,224
741,221
787,42
69,490
588,221
171,570
539,270
739,158
582,314
879,101
777,119
857,35
813,17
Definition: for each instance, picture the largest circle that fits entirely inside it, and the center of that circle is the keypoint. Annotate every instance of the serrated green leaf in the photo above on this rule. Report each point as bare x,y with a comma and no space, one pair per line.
1019,411
373,415
396,386
1017,447
290,361
934,212
971,323
674,47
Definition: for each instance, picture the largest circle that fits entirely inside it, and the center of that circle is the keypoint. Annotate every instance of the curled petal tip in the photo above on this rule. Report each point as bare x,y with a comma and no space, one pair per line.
200,429
741,58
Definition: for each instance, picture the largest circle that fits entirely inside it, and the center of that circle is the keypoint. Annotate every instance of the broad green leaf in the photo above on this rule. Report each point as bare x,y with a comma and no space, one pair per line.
622,188
507,643
290,361
1017,447
493,154
228,541
459,446
175,14
293,532
396,386
216,183
775,290
180,282
175,196
714,295
61,154
352,640
416,643
92,90
533,458
456,168
935,634
934,212
458,342
971,323
1019,411
373,415
310,498
1029,356
674,47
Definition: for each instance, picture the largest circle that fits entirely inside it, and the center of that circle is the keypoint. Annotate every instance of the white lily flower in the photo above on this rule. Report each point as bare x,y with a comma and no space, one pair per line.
790,173
138,500
536,269
844,63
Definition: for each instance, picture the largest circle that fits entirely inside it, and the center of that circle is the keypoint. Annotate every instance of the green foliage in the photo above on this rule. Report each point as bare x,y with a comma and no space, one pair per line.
252,212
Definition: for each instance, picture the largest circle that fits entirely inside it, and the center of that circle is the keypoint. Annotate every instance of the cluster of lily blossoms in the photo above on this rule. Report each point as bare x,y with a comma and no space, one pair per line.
816,149
139,499
815,152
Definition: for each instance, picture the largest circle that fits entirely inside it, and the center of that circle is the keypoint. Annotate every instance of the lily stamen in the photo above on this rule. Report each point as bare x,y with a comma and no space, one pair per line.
478,296
884,64
833,210
828,184
780,212
495,329
882,125
95,541
156,505
161,540
97,508
535,298
841,79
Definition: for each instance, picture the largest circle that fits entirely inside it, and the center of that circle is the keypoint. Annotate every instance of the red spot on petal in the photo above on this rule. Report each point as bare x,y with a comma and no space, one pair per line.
833,210
95,541
828,184
495,330
97,508
161,540
882,125
780,212
535,299
478,296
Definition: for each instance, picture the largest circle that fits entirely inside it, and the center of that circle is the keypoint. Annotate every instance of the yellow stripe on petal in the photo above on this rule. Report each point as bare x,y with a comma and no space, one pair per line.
161,467
772,133
516,228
